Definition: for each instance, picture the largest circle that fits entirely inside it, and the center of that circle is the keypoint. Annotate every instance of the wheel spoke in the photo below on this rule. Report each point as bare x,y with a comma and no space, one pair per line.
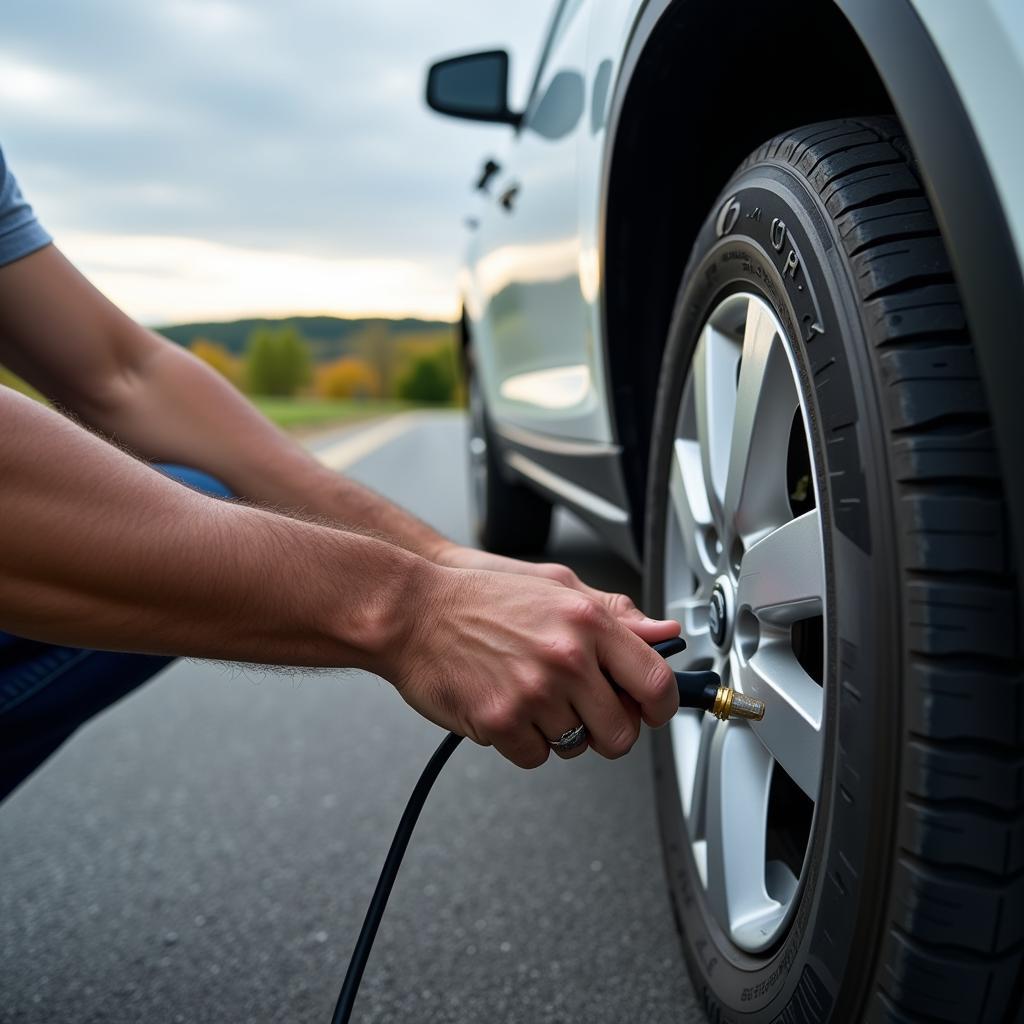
738,782
782,577
792,725
755,494
691,739
699,807
714,371
689,502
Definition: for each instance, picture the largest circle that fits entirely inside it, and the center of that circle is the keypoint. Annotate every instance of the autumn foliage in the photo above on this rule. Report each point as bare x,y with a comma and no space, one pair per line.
348,377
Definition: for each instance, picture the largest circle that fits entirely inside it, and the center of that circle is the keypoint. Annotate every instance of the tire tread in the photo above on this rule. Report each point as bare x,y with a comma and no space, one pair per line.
955,927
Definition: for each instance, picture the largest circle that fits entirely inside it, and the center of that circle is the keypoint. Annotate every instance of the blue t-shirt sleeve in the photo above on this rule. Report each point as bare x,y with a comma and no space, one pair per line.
20,232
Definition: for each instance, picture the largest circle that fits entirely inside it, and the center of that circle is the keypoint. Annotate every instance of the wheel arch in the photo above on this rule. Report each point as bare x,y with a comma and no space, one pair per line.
860,57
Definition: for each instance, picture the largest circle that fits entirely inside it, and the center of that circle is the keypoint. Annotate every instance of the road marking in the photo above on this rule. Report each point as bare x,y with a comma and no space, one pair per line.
343,454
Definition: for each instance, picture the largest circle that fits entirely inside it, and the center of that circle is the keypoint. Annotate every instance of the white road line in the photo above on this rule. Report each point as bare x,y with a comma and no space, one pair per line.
343,454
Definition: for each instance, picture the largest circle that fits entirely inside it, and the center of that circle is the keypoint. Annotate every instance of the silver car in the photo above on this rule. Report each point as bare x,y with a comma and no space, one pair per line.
745,292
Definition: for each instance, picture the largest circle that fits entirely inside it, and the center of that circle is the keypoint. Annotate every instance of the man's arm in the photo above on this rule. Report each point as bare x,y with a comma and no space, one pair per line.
65,337
62,335
99,550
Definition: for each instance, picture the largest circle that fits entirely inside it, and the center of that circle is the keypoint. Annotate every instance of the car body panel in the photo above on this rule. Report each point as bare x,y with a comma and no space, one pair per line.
982,47
533,285
537,352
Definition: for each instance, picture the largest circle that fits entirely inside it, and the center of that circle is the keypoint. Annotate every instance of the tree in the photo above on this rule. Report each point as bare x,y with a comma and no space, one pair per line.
429,378
348,378
375,344
278,361
219,358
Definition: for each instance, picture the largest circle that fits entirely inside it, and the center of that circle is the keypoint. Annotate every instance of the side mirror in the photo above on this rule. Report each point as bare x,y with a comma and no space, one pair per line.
474,87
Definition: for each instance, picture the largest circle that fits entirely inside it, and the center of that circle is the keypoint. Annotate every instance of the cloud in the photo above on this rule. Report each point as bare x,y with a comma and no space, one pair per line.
168,279
54,97
295,128
32,85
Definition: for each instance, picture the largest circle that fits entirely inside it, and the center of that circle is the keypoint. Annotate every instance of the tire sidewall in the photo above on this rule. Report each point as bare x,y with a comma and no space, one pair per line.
479,499
508,517
769,235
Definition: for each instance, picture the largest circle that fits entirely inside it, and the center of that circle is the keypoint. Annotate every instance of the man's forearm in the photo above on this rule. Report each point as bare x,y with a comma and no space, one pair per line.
176,409
155,398
98,550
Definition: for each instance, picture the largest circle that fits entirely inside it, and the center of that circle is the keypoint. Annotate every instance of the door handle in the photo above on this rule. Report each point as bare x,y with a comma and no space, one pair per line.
508,198
488,171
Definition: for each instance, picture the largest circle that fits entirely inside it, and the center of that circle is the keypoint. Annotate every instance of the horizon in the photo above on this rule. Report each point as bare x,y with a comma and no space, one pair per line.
345,318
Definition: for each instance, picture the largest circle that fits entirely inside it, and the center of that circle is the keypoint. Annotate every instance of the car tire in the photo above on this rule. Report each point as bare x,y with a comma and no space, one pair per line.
878,855
508,518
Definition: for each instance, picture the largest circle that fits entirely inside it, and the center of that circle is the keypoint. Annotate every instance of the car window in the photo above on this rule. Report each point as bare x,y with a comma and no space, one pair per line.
565,11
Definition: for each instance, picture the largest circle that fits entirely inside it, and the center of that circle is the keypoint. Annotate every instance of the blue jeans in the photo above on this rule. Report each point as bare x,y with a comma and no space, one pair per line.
47,692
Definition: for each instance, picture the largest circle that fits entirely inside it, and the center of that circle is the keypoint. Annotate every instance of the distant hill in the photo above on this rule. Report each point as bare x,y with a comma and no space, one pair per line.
328,336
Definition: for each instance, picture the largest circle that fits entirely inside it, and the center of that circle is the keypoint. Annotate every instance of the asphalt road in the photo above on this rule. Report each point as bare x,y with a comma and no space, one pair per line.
205,850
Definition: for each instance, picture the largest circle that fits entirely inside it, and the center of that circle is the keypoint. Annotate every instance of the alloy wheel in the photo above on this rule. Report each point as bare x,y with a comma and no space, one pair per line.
745,575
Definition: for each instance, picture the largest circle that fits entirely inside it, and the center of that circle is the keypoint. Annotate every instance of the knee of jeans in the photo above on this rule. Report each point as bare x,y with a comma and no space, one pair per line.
195,478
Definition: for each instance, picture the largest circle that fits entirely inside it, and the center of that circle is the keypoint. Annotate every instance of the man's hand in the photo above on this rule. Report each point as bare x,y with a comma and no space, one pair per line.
622,607
513,661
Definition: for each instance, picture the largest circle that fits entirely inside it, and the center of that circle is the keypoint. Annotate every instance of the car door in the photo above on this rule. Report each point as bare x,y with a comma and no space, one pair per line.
538,360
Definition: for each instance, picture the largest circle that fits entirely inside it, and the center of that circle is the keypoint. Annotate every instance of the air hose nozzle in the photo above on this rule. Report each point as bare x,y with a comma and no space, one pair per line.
704,690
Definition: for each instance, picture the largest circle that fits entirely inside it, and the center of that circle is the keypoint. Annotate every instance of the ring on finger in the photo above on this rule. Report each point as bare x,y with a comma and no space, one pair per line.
570,739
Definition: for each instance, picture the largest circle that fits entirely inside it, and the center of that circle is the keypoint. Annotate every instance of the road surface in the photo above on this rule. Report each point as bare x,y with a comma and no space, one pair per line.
205,850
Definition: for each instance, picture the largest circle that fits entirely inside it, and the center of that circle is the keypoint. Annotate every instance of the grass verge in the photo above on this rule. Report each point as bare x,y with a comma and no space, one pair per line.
306,413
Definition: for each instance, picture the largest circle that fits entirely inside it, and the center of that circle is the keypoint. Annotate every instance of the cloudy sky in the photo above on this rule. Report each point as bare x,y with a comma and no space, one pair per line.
207,159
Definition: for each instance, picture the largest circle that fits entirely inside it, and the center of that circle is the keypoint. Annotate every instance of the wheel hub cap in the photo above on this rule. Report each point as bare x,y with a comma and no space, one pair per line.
718,616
